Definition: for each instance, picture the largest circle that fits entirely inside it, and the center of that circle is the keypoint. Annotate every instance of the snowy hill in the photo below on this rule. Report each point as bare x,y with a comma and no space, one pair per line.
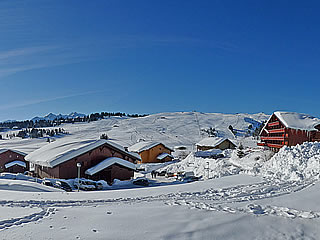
177,128
172,129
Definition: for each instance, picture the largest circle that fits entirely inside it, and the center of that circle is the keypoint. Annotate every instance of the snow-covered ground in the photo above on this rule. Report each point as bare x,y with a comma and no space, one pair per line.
234,207
247,194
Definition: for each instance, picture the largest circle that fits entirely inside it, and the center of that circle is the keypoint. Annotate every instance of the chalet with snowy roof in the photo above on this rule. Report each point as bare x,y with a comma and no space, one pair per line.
99,159
215,143
290,129
13,161
152,152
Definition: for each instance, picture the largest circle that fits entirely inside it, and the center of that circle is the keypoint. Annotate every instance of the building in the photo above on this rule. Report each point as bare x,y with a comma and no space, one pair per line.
13,161
99,159
290,129
215,143
152,152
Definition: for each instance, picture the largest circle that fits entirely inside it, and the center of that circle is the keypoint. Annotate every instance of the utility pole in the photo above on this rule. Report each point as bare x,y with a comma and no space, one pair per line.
78,166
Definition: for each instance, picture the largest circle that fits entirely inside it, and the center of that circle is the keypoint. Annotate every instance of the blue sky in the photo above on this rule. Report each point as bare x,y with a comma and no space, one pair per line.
154,56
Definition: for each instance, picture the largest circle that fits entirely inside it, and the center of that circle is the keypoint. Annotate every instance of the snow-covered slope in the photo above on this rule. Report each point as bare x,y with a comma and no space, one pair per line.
178,128
172,129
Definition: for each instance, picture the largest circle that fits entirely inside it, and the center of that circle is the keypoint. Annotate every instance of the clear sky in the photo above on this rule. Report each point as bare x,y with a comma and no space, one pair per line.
146,56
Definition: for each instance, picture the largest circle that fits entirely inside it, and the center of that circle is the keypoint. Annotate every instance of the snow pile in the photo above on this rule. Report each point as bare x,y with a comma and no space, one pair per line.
16,176
252,160
294,163
25,186
205,167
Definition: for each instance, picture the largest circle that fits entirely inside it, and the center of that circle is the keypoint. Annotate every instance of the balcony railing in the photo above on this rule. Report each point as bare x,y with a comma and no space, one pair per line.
274,145
280,130
273,138
273,124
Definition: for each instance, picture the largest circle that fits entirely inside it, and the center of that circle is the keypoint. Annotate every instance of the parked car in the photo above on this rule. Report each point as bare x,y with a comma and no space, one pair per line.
98,185
84,184
183,175
48,183
190,179
63,185
141,181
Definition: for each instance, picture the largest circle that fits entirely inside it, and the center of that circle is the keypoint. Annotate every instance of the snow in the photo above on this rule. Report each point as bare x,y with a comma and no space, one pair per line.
204,167
24,186
15,151
171,129
209,153
20,163
65,149
256,196
210,142
52,116
298,120
235,207
108,162
294,163
143,146
163,156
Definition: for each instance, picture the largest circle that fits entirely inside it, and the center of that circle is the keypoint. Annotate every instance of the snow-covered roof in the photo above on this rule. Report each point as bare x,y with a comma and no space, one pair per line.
145,145
15,151
63,150
163,156
298,120
20,163
211,142
107,163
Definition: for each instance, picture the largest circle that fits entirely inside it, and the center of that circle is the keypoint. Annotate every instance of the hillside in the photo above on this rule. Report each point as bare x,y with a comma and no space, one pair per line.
177,128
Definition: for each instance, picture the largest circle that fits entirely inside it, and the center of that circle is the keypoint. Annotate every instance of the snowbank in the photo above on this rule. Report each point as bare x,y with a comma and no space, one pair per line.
25,186
205,167
294,163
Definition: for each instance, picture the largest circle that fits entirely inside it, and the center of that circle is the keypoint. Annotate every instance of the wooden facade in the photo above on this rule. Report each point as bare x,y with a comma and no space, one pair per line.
276,135
68,169
225,144
151,155
10,156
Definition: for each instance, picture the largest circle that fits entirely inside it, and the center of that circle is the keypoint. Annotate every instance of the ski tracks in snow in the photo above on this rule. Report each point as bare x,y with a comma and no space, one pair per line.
211,199
218,200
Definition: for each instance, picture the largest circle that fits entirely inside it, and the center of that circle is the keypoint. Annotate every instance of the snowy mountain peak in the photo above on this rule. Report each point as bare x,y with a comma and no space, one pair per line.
52,116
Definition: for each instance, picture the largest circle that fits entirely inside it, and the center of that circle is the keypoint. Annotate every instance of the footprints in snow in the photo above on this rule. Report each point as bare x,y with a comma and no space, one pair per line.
4,224
254,209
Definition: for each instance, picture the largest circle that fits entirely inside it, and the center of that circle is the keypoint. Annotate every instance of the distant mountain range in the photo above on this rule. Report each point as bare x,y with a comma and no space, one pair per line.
52,116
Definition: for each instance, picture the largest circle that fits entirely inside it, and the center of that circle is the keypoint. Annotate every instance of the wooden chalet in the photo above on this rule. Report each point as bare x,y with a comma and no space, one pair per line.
152,152
290,129
215,143
99,159
13,161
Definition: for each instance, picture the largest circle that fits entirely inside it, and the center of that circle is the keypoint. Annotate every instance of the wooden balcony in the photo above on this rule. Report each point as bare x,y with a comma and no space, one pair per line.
277,123
280,130
261,144
272,138
271,145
